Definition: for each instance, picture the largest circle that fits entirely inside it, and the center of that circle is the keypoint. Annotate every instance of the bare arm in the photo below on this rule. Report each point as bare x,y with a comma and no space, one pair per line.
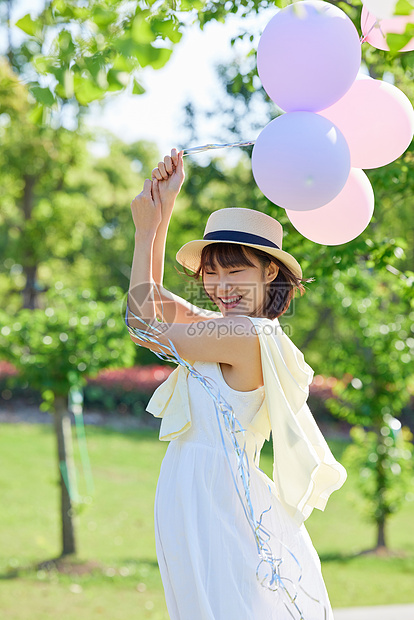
230,340
146,214
169,177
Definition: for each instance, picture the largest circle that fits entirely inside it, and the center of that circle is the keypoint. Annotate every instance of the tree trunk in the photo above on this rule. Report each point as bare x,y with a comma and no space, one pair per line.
29,292
66,473
381,484
381,533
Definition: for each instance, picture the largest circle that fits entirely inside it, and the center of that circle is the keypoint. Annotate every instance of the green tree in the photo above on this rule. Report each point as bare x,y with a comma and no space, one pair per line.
383,461
60,205
371,348
53,348
101,46
97,47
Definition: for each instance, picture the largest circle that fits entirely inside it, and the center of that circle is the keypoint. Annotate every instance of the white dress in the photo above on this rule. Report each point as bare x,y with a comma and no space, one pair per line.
206,549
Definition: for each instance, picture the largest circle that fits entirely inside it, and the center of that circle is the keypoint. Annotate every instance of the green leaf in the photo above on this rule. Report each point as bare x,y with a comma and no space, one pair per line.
141,30
117,80
189,5
60,7
86,91
42,63
28,25
121,63
43,95
57,71
37,115
138,89
102,17
156,57
167,28
125,45
404,7
407,62
68,84
65,87
397,41
66,45
93,64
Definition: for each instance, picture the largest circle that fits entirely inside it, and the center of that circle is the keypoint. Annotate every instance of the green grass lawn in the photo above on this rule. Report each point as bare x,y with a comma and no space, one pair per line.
115,530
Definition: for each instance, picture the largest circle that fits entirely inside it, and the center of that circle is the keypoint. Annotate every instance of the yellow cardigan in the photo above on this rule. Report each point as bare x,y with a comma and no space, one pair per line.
305,472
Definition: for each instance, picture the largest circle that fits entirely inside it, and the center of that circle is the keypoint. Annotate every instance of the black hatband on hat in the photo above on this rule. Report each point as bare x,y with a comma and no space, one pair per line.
239,237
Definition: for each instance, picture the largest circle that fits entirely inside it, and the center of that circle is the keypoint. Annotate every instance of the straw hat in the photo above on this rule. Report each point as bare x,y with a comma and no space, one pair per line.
242,226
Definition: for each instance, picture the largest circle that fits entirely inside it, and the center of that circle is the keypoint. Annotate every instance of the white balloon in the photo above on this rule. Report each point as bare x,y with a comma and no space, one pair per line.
382,9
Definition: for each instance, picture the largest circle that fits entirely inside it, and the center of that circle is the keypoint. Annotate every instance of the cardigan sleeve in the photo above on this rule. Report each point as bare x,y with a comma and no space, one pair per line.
304,469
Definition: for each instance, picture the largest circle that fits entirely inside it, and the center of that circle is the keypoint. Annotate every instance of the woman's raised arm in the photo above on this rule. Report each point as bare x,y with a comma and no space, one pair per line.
168,178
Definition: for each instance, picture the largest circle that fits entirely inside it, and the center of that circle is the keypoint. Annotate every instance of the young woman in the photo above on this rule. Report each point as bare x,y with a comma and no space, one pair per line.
230,541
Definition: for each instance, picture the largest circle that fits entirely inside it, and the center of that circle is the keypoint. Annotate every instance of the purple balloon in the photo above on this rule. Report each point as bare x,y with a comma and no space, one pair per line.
301,161
308,56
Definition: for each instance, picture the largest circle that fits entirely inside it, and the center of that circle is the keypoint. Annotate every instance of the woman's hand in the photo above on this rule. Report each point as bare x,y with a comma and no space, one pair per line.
170,176
146,210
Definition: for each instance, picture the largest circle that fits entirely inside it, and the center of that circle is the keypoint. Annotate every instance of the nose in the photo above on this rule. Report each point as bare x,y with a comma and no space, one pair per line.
224,288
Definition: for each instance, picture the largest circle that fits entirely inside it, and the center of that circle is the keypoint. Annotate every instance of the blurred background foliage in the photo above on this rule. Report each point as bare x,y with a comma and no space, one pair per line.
65,221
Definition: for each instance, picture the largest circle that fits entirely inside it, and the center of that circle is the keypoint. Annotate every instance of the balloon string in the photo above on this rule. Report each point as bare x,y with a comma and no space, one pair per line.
209,147
374,25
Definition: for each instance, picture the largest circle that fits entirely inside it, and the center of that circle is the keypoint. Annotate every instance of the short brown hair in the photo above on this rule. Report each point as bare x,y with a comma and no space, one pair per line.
280,291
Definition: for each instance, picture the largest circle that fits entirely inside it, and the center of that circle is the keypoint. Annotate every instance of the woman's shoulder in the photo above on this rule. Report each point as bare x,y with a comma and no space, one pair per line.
265,326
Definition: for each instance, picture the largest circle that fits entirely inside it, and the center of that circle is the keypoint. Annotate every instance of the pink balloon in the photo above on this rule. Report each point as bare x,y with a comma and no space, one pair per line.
308,56
300,161
342,219
377,120
375,31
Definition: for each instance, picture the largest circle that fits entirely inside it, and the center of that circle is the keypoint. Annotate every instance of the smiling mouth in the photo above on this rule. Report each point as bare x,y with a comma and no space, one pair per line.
231,302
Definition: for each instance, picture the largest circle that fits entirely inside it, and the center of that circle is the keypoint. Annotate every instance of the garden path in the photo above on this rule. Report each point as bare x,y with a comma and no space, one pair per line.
387,612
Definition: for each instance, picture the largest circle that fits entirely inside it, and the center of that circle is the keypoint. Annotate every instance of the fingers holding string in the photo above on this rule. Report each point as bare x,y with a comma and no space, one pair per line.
146,190
160,173
168,163
156,174
163,171
155,189
180,157
167,167
180,162
174,157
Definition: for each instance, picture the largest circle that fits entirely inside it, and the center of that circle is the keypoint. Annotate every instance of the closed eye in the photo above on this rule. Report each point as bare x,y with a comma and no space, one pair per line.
212,273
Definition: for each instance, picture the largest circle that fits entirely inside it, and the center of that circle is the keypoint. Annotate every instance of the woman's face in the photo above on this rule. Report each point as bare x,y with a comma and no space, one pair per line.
238,290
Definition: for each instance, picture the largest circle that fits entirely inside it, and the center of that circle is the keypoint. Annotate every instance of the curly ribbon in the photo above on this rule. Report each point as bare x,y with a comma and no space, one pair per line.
76,406
268,571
